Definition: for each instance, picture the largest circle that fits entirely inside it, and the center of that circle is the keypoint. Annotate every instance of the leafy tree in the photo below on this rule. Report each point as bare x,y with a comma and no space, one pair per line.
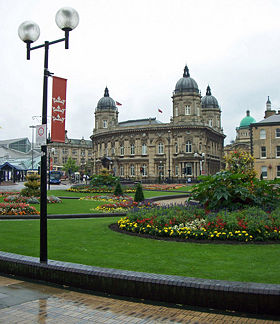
139,196
105,178
32,186
70,166
241,162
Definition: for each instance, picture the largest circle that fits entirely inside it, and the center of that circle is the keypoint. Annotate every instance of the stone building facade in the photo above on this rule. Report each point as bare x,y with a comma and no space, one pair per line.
146,149
80,150
266,144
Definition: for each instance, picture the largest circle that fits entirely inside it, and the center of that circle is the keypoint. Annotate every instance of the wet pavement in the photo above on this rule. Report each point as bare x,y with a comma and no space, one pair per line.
33,302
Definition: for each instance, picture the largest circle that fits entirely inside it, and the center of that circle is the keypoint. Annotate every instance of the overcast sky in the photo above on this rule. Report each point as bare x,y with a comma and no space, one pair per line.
139,48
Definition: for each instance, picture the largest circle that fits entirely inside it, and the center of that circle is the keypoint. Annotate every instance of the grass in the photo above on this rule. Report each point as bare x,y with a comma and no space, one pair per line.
90,241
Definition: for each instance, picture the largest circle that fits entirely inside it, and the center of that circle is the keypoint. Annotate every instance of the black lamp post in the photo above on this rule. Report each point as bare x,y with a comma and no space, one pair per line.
66,19
169,170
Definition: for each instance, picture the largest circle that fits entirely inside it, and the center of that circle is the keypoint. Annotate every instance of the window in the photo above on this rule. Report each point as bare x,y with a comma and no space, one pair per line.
262,134
55,160
198,111
278,171
263,151
187,110
188,147
277,132
132,149
210,122
65,151
74,151
188,169
64,160
132,170
121,171
176,170
144,149
277,151
176,111
176,148
113,150
122,150
160,148
143,170
105,124
264,171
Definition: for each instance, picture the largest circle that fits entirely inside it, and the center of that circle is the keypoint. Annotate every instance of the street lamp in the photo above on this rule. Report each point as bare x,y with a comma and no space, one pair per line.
66,19
169,156
202,156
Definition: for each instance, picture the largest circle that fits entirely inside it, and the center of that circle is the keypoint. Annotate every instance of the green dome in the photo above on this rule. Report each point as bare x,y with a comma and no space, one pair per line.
246,121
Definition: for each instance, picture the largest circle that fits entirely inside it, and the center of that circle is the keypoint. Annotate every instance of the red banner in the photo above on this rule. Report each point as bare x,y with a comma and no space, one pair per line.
58,110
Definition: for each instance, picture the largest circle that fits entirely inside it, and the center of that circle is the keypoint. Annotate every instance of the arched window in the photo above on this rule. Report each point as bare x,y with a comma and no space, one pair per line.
176,111
188,147
121,171
160,148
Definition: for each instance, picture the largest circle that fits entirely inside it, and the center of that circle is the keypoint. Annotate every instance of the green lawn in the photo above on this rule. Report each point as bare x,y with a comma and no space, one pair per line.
90,241
147,193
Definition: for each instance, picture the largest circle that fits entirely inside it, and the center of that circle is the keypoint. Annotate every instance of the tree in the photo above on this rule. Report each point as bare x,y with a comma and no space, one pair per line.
139,196
32,186
118,189
70,166
241,162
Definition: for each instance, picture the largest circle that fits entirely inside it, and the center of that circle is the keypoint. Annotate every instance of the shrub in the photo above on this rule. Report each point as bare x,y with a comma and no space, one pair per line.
139,196
118,189
32,186
105,178
233,190
241,162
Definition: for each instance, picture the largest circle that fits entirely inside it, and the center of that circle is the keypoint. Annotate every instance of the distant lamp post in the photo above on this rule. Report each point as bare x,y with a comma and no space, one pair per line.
66,19
169,170
51,154
32,147
201,158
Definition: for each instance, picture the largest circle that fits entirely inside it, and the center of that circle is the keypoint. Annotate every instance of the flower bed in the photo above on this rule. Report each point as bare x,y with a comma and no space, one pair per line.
251,224
159,187
9,193
122,206
99,189
31,200
17,209
108,198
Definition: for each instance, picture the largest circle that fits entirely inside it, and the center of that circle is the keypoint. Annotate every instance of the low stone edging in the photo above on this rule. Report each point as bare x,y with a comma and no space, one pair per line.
227,295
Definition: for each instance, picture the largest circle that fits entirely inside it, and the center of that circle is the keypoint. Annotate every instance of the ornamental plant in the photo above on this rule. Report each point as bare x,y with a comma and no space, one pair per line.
17,209
233,191
139,196
241,162
191,222
32,186
118,189
105,178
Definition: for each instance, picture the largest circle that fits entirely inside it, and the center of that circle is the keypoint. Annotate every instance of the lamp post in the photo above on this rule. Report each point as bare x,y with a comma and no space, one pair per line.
51,154
32,146
66,19
169,170
202,157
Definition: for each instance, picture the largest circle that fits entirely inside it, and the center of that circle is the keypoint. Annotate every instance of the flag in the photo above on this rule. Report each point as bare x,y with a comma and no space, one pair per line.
118,103
41,134
58,110
159,110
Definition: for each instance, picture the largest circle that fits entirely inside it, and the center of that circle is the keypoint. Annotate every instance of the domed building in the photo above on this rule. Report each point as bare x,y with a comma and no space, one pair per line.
146,149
